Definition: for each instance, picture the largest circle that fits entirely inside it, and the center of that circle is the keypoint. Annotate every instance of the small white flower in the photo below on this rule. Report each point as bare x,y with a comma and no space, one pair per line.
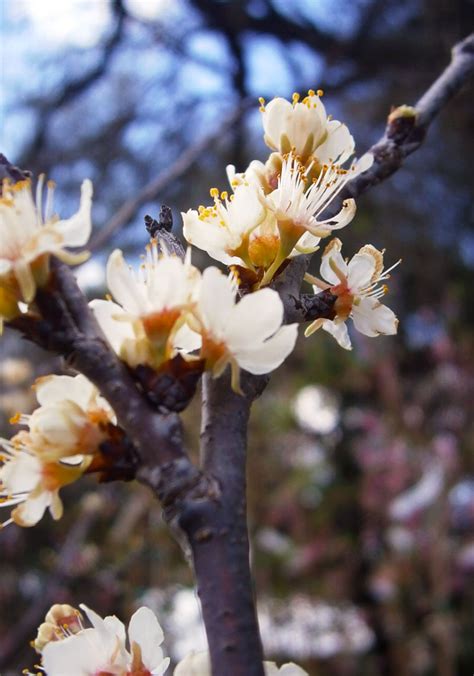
356,285
143,327
60,621
224,229
199,664
258,174
69,419
103,648
303,127
26,236
298,209
248,334
32,484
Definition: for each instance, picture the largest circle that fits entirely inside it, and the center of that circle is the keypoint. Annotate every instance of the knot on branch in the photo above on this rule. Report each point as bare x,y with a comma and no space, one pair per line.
117,459
317,306
464,48
178,482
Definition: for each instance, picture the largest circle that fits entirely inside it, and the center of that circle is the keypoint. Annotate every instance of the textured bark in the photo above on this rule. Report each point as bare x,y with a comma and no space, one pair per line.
223,557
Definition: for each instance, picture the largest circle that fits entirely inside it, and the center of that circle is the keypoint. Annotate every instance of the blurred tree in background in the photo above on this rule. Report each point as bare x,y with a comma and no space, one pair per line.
362,502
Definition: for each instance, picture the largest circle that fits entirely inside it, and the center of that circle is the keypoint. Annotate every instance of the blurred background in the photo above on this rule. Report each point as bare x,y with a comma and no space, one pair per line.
362,475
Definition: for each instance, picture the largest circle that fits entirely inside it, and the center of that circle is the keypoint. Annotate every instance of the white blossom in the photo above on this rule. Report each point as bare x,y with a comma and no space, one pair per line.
31,484
199,664
27,235
299,209
357,287
303,127
143,325
60,621
70,417
224,229
103,648
248,334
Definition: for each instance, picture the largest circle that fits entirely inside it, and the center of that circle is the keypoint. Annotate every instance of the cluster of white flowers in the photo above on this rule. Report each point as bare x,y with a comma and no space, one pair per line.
68,647
169,307
278,210
55,449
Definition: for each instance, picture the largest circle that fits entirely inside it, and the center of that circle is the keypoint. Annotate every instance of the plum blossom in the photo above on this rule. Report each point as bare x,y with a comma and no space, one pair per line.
28,235
357,287
248,334
143,326
103,648
299,209
31,484
198,664
61,620
303,127
70,419
224,229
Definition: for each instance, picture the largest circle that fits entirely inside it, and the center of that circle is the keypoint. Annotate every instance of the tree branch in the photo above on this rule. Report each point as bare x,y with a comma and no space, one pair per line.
405,133
224,561
76,87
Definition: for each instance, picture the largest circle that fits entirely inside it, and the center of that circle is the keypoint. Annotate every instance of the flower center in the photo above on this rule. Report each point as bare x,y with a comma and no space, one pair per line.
158,325
263,250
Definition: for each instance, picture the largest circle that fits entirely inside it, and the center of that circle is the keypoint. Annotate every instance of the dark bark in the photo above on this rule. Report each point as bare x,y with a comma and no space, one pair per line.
225,588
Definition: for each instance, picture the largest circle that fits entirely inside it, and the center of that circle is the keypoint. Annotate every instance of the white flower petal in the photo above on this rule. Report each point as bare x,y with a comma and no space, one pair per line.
267,356
195,664
144,629
31,511
187,340
359,271
373,319
83,654
332,253
21,474
123,286
54,389
276,119
109,315
25,279
255,317
209,235
216,302
75,231
339,220
339,331
338,145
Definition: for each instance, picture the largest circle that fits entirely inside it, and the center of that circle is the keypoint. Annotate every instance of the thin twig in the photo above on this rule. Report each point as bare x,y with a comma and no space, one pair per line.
165,178
405,134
